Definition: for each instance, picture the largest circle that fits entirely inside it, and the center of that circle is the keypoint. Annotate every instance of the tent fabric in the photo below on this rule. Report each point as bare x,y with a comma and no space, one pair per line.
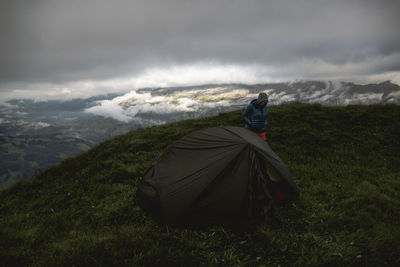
209,176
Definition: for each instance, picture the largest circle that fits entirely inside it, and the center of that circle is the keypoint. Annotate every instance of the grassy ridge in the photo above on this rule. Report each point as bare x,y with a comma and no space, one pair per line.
346,162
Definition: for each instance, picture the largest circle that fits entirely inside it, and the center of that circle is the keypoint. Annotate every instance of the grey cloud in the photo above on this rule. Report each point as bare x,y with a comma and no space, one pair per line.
72,40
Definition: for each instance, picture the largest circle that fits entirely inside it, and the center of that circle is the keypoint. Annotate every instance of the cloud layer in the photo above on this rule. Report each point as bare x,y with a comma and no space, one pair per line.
210,100
127,107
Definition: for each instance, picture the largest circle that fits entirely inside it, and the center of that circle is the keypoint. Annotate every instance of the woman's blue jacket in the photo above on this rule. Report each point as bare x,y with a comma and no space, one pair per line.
255,117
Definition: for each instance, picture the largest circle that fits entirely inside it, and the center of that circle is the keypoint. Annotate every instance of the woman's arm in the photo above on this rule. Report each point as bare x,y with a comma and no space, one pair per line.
246,114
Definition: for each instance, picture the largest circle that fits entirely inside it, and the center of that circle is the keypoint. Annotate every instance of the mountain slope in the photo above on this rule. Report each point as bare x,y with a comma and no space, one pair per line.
346,161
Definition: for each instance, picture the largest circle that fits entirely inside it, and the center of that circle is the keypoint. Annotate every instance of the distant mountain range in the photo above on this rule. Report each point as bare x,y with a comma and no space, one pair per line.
35,135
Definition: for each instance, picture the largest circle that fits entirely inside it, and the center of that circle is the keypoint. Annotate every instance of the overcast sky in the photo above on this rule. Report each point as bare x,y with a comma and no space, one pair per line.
82,47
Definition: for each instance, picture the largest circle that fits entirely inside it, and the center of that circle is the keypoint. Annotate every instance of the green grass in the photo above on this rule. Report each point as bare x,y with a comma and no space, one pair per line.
345,160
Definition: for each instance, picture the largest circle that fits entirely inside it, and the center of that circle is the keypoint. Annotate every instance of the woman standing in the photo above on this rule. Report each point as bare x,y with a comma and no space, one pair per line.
255,115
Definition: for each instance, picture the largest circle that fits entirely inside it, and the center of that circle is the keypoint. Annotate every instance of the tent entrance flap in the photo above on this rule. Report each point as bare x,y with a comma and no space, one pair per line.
259,198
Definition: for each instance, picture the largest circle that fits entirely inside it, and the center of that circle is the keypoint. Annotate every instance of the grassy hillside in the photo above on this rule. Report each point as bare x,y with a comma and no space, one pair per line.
346,162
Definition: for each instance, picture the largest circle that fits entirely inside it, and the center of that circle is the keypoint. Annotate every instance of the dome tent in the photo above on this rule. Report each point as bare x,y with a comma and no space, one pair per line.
219,175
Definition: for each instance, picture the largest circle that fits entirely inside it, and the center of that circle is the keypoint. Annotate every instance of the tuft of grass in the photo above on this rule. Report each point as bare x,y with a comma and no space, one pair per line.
346,162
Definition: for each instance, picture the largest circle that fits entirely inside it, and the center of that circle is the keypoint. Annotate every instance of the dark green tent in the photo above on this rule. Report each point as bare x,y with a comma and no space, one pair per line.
220,175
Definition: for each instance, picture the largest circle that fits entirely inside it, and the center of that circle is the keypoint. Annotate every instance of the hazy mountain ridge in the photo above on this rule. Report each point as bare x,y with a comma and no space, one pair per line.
35,135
